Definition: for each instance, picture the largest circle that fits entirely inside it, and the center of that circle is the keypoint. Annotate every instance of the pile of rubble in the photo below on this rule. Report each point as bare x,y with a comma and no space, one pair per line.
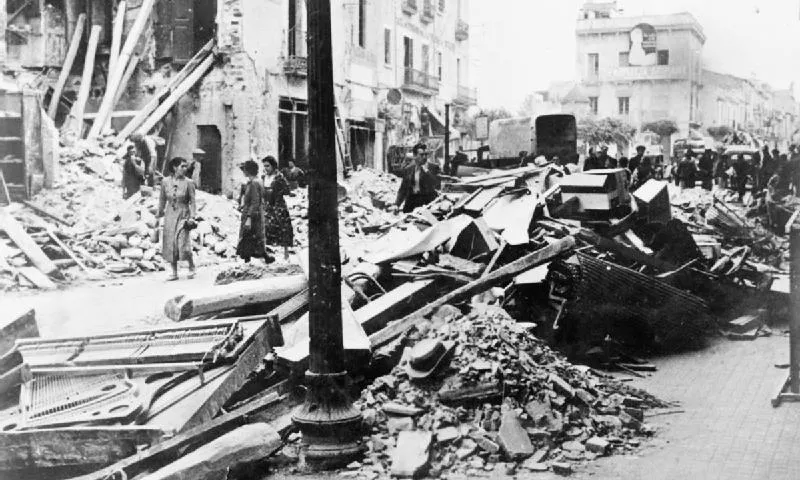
506,401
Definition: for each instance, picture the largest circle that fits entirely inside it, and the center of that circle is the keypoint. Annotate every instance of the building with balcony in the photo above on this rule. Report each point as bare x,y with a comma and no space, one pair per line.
640,69
397,63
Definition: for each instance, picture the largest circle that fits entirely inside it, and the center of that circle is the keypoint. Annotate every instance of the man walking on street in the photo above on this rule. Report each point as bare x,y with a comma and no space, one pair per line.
637,159
418,186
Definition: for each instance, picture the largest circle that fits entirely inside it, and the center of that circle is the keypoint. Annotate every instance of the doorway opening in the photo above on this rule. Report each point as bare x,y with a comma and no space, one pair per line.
210,141
362,144
205,22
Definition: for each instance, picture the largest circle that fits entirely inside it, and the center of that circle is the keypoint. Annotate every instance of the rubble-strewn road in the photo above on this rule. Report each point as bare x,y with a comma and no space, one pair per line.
109,305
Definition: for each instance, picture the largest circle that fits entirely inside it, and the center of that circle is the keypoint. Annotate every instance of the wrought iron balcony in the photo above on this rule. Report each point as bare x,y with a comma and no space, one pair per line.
427,15
410,6
466,96
462,30
295,65
420,82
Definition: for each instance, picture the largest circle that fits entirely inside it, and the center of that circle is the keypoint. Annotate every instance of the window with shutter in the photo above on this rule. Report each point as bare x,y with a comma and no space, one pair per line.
183,31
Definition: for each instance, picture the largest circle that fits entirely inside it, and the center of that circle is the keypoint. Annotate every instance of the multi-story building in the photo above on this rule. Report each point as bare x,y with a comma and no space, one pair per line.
639,69
396,64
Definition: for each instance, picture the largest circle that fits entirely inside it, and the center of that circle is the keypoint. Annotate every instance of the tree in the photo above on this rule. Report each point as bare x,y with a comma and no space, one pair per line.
491,114
720,132
662,128
605,131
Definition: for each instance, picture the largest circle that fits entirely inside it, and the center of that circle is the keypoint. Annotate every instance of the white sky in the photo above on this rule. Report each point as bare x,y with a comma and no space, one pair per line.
519,46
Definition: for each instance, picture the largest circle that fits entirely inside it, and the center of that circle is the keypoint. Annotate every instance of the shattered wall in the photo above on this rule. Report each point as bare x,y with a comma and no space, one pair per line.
237,96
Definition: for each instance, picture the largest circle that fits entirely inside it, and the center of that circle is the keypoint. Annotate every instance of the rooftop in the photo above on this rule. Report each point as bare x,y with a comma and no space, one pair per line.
675,21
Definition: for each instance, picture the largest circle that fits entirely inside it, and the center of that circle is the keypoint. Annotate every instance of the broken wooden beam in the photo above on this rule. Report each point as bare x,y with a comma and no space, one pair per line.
24,242
67,250
180,91
215,459
126,77
16,324
115,77
67,67
43,211
171,449
394,303
74,121
235,295
116,37
162,94
503,274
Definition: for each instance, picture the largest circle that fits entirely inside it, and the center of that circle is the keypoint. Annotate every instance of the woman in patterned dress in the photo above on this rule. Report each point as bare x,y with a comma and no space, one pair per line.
277,222
177,206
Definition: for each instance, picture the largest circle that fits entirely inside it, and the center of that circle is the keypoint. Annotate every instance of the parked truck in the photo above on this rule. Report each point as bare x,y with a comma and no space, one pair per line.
549,135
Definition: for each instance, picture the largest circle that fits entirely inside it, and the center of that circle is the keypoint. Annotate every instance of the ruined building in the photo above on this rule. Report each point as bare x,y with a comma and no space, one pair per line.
397,63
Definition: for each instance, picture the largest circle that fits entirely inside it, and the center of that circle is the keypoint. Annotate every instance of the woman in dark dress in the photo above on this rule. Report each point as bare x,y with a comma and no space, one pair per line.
251,228
277,222
177,205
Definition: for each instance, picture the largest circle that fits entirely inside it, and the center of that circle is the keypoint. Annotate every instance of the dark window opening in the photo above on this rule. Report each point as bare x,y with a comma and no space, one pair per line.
293,132
594,64
624,59
362,142
362,23
408,52
663,57
292,40
387,45
624,104
593,105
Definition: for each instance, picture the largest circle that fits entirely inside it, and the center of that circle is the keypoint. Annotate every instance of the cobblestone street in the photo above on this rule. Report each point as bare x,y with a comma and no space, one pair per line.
729,429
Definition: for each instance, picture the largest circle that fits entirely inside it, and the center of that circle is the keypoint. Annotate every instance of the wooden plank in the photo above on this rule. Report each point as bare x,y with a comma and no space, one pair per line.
217,458
633,254
505,273
5,197
65,70
515,172
74,121
68,251
116,37
176,95
16,324
154,102
374,315
126,77
115,77
35,276
14,377
234,295
172,448
43,211
60,447
495,257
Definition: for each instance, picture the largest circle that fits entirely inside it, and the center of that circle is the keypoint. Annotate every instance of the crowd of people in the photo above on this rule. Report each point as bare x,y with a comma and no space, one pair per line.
777,172
265,218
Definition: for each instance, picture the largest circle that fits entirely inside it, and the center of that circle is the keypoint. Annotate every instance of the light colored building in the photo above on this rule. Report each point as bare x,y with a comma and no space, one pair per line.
639,69
396,64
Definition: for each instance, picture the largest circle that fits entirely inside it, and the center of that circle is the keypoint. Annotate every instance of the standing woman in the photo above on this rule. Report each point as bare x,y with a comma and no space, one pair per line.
177,206
277,222
251,229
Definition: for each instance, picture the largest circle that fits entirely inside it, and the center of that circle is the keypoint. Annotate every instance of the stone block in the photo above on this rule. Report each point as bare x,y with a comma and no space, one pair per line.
411,457
513,438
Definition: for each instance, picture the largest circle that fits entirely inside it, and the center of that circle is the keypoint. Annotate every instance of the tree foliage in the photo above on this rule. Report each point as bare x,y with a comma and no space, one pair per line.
720,132
491,114
605,131
662,128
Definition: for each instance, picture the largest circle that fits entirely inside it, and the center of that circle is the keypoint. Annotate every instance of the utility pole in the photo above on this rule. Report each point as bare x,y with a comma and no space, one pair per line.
329,423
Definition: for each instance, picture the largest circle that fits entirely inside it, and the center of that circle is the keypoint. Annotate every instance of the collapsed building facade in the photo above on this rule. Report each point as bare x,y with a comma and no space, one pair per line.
397,64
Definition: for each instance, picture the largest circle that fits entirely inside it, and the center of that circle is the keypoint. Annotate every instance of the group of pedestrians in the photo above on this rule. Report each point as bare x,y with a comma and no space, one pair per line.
265,218
639,168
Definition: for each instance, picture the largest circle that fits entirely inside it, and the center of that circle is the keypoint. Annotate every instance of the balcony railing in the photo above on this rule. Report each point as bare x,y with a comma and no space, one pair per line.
419,81
462,30
427,15
410,6
295,65
466,96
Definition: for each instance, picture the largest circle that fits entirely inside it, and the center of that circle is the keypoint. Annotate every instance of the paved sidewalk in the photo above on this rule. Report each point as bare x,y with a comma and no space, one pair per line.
729,429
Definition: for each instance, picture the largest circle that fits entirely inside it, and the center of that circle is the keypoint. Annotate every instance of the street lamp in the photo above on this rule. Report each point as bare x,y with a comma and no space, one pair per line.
329,423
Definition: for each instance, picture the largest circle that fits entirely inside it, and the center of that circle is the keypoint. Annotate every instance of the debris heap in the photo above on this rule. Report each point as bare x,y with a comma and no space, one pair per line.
506,401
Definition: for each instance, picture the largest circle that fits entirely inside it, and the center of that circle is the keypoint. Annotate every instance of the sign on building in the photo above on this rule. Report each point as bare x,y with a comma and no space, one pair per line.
482,127
643,45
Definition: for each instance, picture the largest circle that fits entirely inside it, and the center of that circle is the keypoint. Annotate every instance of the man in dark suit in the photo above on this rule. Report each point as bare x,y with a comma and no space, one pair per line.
418,186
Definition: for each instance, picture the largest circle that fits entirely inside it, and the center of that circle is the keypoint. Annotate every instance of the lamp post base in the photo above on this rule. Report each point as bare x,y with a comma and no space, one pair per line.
331,427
